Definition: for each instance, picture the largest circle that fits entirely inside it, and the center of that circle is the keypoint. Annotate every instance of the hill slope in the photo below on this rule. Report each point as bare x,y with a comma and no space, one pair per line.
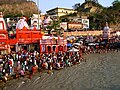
22,7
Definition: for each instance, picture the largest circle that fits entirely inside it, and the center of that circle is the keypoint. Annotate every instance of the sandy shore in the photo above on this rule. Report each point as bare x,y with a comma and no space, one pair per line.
100,72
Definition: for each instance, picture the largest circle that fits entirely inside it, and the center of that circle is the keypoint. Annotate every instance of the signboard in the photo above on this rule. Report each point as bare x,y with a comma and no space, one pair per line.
22,40
49,41
29,36
75,26
60,42
63,25
85,23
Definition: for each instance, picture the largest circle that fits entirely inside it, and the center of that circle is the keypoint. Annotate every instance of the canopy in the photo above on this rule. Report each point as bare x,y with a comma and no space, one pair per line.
78,44
73,50
91,44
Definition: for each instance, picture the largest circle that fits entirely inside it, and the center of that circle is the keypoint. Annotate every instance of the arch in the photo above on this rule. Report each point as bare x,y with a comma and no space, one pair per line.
49,48
65,48
3,35
60,48
2,27
54,48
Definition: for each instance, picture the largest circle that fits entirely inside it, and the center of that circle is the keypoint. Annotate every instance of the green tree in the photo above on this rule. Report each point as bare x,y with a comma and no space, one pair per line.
116,4
55,25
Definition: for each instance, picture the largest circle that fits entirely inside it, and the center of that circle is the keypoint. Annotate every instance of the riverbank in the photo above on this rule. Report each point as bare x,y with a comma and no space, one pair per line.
99,72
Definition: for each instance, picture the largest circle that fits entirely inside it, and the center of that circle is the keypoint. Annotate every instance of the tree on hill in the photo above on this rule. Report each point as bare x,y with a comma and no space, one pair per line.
116,4
112,13
108,14
86,5
98,18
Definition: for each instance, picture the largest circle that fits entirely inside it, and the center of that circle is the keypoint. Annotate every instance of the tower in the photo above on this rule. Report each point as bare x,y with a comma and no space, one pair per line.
106,32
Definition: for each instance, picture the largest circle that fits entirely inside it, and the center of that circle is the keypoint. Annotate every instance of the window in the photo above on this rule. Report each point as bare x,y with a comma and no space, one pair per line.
65,48
54,47
49,49
60,48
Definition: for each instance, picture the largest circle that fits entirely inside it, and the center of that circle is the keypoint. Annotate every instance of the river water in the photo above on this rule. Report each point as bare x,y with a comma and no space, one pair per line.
100,72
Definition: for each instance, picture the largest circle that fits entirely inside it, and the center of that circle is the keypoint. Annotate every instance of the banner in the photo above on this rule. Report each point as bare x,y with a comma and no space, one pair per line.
85,23
63,25
75,26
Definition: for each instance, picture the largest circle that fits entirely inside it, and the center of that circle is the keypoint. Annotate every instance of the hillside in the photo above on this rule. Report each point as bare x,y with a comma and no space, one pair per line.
11,1
20,8
91,7
98,15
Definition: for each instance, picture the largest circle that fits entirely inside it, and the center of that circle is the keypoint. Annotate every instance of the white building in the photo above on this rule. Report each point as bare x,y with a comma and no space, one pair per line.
36,21
60,11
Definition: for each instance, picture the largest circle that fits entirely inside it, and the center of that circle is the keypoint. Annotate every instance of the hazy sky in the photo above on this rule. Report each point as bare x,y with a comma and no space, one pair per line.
45,5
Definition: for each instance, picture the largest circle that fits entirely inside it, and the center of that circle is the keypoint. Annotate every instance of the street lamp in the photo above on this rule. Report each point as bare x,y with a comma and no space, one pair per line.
38,12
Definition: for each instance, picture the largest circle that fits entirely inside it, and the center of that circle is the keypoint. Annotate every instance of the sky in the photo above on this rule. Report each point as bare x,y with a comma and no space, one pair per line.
45,5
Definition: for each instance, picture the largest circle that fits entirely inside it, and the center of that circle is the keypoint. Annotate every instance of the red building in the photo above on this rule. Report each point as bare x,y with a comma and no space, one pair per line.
27,39
4,41
3,35
50,44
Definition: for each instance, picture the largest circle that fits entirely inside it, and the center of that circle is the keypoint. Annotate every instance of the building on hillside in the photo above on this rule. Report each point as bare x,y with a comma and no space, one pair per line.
35,19
77,23
60,11
96,1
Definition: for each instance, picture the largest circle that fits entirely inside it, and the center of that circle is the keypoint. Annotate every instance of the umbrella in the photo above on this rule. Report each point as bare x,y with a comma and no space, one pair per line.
73,50
69,44
78,44
91,44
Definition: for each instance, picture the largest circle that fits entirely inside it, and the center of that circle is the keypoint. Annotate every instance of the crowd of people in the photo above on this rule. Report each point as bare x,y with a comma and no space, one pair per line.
17,64
24,62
